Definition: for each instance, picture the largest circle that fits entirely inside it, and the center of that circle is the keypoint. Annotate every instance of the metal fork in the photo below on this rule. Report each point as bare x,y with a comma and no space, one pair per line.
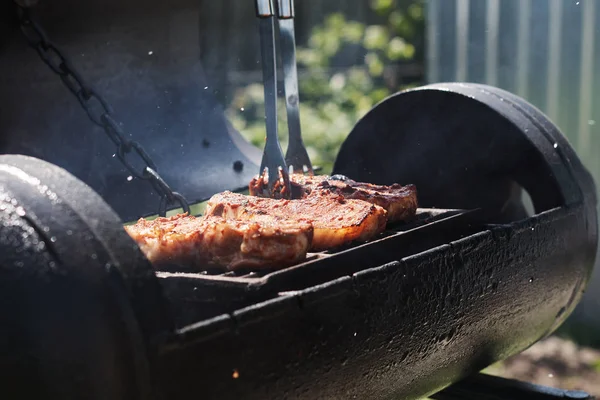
296,156
272,158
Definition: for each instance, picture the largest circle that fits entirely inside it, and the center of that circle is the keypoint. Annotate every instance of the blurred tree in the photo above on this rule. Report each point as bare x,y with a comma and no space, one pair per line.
333,96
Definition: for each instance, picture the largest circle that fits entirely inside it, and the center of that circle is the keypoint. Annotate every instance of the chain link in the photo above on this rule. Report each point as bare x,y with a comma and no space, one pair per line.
98,111
168,196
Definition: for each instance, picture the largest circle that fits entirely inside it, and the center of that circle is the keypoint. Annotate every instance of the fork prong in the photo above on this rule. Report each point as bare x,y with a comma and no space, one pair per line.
297,159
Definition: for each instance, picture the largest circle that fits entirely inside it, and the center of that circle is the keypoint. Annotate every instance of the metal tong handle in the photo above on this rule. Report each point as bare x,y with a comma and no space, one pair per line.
273,155
296,156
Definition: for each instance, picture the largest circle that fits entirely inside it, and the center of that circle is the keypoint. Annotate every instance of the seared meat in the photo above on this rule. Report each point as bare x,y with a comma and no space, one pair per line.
240,231
400,202
262,242
335,220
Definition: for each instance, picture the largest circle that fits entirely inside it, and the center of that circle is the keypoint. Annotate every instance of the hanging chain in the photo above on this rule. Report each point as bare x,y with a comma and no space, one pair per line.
98,111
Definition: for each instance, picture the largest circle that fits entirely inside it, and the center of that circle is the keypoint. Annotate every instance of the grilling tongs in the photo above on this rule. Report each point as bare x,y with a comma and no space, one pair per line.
296,157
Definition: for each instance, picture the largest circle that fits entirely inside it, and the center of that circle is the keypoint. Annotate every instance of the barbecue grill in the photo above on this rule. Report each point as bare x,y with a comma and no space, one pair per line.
475,278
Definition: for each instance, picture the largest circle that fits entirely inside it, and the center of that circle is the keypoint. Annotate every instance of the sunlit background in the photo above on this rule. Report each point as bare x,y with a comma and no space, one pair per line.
354,53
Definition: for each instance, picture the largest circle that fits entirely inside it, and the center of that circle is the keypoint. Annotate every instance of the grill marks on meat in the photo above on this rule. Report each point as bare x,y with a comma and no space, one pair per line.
399,201
263,242
259,231
335,220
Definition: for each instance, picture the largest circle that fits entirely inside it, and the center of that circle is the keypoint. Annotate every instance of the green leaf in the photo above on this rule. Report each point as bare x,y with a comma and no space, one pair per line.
310,58
396,20
401,24
336,21
416,11
379,94
374,64
359,82
376,37
382,6
353,32
399,49
337,82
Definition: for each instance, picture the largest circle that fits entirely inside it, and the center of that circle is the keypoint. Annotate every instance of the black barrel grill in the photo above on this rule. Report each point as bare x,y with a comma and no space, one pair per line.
475,278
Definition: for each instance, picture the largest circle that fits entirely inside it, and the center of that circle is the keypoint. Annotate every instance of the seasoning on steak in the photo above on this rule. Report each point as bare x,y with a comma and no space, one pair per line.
335,219
263,242
400,202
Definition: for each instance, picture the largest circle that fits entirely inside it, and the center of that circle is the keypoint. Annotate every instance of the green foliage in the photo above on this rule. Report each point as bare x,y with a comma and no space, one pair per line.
333,96
596,365
581,333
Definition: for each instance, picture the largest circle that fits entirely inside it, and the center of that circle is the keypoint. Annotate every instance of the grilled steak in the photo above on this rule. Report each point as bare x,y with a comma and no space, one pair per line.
240,231
335,220
264,241
400,202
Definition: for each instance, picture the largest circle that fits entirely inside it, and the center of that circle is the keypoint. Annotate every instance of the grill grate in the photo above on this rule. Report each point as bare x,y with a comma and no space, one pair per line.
425,217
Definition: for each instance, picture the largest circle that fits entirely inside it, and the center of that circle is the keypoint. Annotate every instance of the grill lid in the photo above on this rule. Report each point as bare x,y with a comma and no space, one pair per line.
147,66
